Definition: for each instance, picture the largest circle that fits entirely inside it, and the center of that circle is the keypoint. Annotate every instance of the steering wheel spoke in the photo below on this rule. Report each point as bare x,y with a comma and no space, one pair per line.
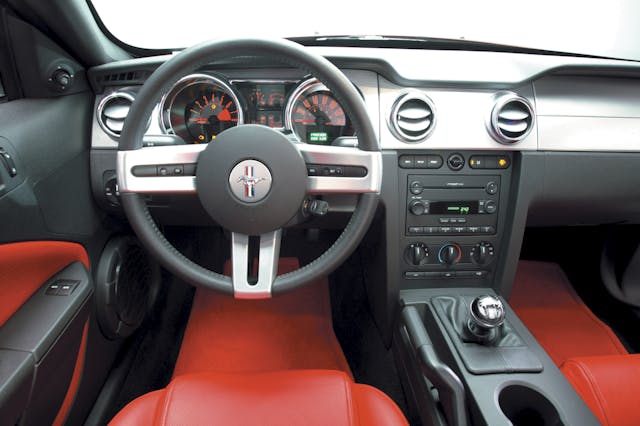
162,169
333,169
268,257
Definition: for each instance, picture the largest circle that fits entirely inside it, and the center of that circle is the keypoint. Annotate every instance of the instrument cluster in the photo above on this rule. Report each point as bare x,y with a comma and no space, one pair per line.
201,106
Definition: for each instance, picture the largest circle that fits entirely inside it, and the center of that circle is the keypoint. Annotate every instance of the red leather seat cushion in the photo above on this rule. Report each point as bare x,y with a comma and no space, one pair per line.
609,385
565,327
307,397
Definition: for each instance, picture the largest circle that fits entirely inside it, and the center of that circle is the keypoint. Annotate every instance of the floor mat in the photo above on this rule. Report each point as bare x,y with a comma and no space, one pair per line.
565,327
292,331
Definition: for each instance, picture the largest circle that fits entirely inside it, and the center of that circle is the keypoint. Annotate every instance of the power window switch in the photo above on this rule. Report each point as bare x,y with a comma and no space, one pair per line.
52,290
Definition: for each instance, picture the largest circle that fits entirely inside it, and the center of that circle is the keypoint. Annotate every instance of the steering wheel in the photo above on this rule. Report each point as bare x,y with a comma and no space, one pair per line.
252,180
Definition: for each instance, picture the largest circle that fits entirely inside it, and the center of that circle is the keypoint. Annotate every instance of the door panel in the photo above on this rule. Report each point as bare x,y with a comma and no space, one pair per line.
25,266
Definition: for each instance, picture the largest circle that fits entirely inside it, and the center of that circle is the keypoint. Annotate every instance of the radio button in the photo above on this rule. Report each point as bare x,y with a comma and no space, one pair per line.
473,229
420,161
487,229
446,220
490,206
406,161
434,162
430,230
418,208
416,229
416,188
491,188
459,229
444,230
455,162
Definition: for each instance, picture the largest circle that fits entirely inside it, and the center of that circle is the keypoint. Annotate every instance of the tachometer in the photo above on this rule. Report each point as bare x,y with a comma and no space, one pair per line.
315,116
199,107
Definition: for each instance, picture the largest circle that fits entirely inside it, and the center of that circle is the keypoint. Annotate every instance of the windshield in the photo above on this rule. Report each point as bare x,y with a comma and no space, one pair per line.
587,27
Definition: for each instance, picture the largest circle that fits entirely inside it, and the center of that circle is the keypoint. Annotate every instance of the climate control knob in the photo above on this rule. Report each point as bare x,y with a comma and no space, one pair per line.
418,207
449,254
417,254
482,253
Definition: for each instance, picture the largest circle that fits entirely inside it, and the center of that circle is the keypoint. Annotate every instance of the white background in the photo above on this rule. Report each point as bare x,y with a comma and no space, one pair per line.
605,28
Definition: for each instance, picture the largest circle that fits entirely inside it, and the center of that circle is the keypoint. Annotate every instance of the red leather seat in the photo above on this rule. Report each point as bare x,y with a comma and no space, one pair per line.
306,397
609,385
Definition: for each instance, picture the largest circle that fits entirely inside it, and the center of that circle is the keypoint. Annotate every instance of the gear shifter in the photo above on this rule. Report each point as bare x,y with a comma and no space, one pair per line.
486,315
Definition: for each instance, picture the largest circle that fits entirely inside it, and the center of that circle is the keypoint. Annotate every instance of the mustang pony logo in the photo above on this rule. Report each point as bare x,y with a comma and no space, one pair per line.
249,181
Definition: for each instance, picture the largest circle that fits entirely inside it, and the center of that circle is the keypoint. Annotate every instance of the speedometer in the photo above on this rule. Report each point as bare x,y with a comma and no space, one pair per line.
315,116
199,107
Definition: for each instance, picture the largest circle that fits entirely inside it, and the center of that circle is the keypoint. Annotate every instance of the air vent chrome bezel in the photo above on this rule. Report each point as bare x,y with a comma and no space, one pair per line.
392,121
502,99
103,103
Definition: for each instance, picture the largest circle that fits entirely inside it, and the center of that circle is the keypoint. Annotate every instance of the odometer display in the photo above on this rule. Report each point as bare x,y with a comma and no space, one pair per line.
315,116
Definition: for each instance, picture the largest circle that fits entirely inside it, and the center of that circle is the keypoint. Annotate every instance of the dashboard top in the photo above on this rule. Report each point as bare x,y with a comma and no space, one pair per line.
546,102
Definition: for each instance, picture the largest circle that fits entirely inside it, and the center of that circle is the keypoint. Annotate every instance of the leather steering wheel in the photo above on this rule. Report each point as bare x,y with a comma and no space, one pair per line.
252,180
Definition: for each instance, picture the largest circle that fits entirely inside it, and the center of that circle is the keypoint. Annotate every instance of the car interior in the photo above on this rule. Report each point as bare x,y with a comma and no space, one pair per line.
317,230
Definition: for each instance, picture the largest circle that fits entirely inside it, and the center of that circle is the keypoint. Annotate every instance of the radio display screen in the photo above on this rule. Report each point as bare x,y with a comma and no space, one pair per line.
453,207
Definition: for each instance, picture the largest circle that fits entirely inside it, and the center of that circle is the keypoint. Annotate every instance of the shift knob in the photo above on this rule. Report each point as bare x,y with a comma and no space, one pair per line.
486,314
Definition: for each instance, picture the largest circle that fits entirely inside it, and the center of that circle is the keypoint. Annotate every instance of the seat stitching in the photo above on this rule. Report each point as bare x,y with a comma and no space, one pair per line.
593,385
165,405
347,388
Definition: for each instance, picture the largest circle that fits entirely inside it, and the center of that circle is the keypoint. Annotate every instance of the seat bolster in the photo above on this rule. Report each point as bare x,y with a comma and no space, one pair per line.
305,397
140,411
609,385
374,408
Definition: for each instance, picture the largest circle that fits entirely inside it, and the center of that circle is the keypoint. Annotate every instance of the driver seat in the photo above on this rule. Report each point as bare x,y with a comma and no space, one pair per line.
291,397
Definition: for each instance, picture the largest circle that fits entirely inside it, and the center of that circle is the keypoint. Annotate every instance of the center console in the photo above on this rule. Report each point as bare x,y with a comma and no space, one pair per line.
464,355
455,206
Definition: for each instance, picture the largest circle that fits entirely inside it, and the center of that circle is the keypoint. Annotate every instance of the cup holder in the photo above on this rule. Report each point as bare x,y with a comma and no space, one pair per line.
527,407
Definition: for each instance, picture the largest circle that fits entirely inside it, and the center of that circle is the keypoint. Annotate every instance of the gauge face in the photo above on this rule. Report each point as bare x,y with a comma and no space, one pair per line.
316,117
200,109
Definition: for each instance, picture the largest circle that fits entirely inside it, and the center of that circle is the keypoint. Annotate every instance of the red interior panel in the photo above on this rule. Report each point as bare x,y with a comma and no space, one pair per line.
547,304
25,266
292,331
277,398
609,385
70,397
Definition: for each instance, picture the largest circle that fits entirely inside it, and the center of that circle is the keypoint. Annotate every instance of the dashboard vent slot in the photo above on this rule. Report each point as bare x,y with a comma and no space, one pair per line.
112,111
121,78
412,117
511,118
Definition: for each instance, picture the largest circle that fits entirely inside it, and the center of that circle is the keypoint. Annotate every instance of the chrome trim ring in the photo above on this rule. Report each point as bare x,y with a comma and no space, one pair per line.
182,84
101,105
400,101
501,99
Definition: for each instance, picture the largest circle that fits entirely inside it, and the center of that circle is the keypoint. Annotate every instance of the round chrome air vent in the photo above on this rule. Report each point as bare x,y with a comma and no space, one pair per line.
511,118
112,111
412,117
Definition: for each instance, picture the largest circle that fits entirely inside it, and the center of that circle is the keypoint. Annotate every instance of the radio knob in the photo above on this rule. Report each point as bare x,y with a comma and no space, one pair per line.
490,206
450,254
418,207
417,254
482,253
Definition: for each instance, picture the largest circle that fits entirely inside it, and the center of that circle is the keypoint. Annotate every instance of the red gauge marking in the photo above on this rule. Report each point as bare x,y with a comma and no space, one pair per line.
199,120
198,103
206,101
299,120
224,115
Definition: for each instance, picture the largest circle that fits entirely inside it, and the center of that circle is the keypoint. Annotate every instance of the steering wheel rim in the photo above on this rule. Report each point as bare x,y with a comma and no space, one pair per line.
189,60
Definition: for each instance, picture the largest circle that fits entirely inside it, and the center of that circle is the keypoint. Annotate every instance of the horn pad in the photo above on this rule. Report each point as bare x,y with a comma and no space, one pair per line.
251,179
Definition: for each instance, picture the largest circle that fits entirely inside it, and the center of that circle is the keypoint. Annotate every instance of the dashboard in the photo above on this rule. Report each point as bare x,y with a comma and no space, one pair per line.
475,145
